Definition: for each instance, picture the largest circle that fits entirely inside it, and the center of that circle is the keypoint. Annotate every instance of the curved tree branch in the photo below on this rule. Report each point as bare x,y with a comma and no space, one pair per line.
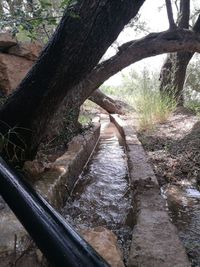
129,53
133,51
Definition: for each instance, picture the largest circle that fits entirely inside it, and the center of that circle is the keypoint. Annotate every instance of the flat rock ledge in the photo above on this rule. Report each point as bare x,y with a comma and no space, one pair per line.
104,242
155,241
16,59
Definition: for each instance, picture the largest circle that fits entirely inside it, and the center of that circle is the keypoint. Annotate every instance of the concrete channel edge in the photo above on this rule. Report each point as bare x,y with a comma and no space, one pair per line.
155,241
64,172
54,185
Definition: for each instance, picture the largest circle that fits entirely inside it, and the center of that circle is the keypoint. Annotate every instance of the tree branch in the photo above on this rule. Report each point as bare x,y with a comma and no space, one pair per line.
129,53
106,102
183,21
196,27
136,50
172,24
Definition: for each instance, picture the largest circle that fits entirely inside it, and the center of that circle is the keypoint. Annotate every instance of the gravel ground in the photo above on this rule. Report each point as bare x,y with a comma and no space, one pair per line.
174,148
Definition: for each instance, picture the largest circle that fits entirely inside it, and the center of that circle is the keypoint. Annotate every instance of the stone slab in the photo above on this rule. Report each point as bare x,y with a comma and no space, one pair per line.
6,41
28,50
104,242
12,70
155,241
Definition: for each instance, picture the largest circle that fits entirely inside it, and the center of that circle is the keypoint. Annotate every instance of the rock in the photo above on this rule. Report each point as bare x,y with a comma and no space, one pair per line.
105,243
155,240
39,255
12,70
27,50
6,41
34,167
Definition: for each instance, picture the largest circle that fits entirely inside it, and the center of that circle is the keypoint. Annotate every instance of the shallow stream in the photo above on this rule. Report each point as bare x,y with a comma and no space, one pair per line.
184,207
100,197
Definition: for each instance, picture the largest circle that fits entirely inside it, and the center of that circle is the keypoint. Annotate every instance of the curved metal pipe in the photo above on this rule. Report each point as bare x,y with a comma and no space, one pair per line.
59,242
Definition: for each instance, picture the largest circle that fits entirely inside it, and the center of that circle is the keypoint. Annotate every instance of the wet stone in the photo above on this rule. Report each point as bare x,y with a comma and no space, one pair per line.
184,208
105,243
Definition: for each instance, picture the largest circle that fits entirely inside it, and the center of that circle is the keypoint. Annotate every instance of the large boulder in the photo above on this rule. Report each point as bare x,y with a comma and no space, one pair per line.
6,41
105,243
12,70
27,50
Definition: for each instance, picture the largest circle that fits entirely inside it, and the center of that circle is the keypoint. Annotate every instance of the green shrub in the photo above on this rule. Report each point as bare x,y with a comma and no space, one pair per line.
84,119
141,91
193,105
153,108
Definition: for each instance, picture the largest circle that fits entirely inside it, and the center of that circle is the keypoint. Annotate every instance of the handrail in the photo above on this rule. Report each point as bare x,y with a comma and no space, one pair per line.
59,242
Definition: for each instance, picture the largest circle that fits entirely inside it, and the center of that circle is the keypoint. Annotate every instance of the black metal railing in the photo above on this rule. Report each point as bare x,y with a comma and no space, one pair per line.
59,242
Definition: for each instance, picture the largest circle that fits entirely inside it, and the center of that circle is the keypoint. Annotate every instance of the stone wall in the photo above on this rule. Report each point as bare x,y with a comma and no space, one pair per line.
16,59
54,184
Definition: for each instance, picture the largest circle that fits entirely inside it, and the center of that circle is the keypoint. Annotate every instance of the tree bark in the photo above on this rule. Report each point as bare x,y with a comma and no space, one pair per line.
106,102
85,32
65,121
184,17
174,69
172,24
129,53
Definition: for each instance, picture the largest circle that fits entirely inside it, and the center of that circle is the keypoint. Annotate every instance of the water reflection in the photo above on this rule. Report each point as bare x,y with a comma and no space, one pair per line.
100,198
184,207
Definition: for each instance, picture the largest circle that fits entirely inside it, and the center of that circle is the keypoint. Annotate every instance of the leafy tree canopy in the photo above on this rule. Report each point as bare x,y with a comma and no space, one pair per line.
35,19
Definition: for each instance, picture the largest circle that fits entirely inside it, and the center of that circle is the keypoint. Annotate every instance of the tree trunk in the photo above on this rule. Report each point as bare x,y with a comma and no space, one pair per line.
181,62
172,75
63,126
65,121
85,32
174,69
106,102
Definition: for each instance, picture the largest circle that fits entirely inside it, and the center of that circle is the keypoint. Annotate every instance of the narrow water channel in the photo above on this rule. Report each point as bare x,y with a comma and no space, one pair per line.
184,207
100,197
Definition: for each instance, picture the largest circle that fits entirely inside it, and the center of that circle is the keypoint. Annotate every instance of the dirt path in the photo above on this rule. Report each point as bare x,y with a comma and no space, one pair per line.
174,148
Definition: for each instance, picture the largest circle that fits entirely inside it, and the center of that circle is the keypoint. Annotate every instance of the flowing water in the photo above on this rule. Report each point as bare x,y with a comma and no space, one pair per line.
100,197
184,207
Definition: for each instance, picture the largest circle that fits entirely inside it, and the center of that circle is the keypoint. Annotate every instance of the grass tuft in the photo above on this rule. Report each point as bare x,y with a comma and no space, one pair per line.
153,108
193,105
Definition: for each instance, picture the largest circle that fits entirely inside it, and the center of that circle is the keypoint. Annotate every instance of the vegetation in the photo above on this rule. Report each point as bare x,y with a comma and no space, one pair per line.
84,119
192,86
153,108
193,105
141,91
193,76
34,20
68,70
